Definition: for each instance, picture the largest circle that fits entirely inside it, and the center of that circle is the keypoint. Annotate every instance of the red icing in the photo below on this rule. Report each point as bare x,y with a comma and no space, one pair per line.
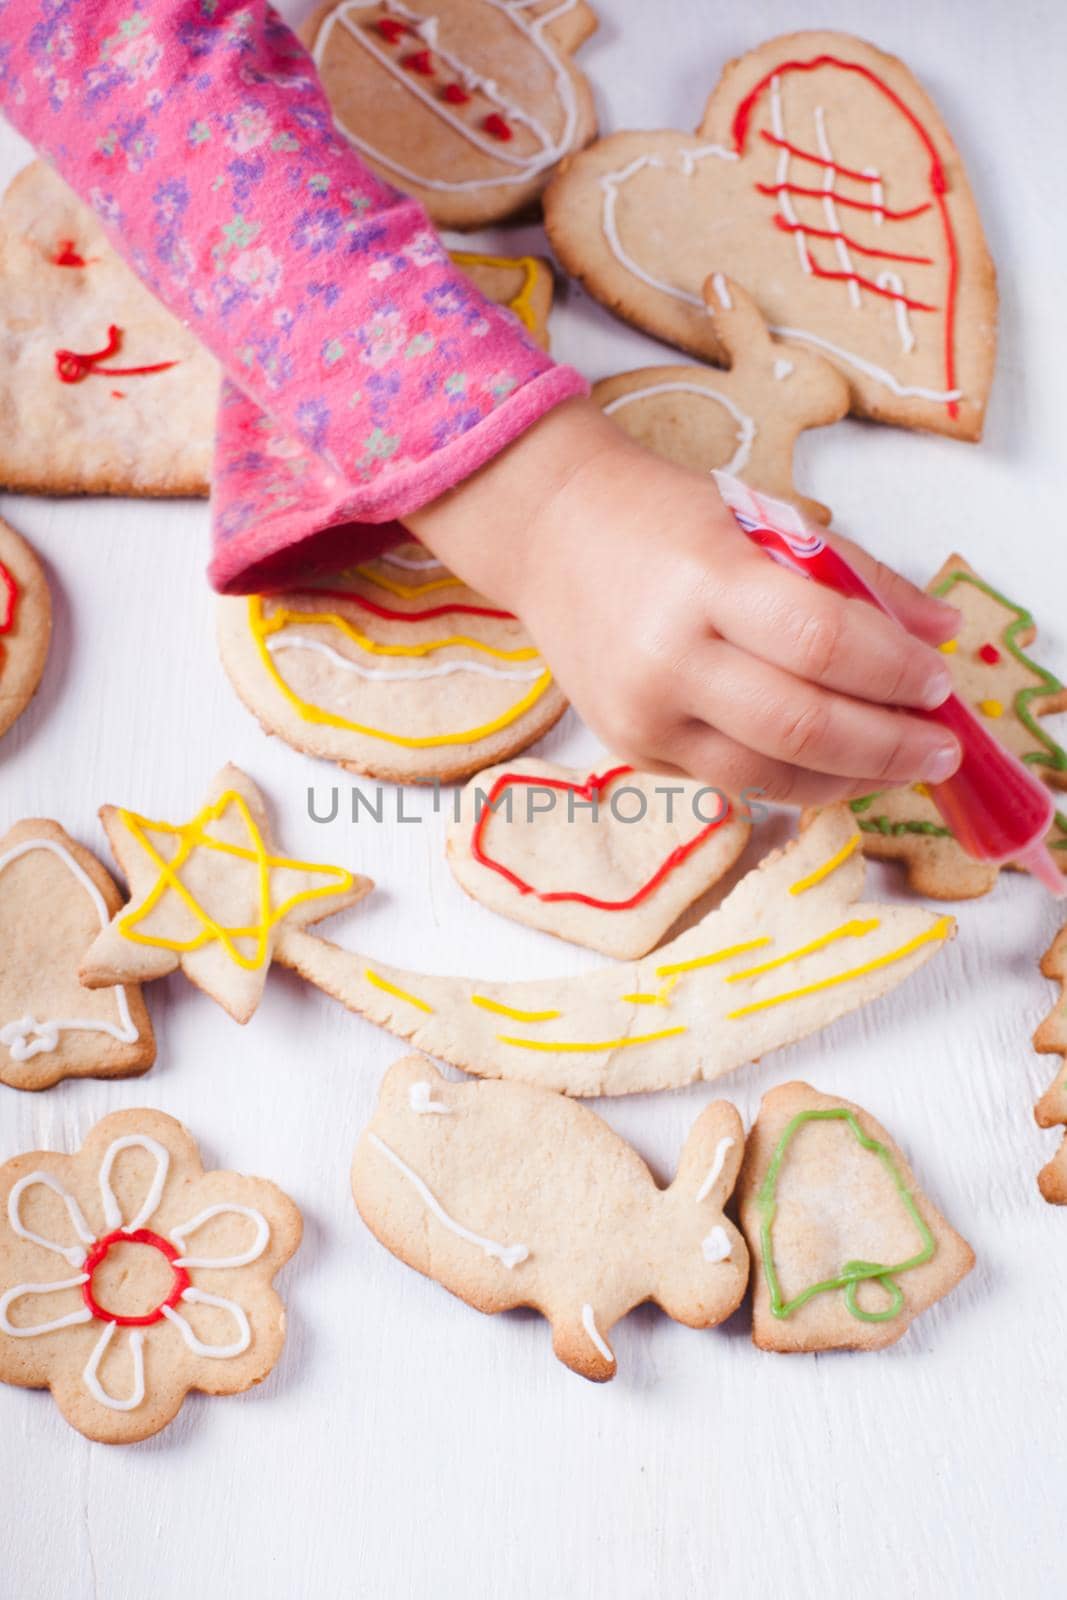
868,284
455,94
97,1254
843,200
938,185
420,61
9,594
393,615
391,30
72,367
495,124
990,654
67,256
118,394
846,238
594,785
816,161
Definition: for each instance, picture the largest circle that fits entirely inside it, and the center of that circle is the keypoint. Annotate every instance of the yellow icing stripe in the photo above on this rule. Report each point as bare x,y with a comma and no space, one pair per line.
390,988
312,713
715,957
408,591
847,930
263,626
827,867
554,1045
191,837
511,1011
660,998
939,930
522,303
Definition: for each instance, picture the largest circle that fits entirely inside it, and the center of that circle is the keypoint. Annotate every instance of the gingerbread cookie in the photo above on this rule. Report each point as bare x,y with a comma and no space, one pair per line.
102,391
993,674
1051,1039
129,1275
522,283
468,106
824,180
745,420
395,669
54,899
787,952
512,1196
608,859
25,624
846,1249
212,896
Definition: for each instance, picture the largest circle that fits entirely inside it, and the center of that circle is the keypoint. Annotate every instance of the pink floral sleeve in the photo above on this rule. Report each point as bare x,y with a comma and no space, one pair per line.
367,374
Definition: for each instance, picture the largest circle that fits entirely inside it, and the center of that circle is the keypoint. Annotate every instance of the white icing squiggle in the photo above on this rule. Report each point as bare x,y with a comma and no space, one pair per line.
781,177
895,284
724,1146
420,1098
112,1210
23,1289
509,1255
441,669
26,1037
92,1382
74,1255
715,1245
830,210
219,1352
746,427
906,391
595,1335
549,150
180,1235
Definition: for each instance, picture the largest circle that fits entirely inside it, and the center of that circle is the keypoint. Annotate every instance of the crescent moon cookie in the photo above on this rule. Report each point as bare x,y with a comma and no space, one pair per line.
522,283
129,1275
608,859
1051,1039
55,897
787,952
25,625
823,178
394,669
102,391
212,896
511,1196
1011,693
846,1249
467,104
745,420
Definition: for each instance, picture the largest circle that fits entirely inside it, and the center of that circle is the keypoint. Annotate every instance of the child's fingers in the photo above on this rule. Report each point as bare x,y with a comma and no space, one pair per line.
723,764
803,725
928,618
844,645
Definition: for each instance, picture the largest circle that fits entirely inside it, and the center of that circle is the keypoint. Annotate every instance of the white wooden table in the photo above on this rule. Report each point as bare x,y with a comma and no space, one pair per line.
406,1446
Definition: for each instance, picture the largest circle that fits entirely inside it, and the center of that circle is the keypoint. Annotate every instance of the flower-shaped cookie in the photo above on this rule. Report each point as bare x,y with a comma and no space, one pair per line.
165,1282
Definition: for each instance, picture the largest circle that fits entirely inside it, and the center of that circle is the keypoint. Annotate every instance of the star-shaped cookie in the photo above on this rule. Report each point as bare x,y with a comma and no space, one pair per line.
212,896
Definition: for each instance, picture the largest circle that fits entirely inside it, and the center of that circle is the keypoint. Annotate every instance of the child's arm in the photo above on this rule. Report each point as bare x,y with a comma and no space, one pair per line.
679,642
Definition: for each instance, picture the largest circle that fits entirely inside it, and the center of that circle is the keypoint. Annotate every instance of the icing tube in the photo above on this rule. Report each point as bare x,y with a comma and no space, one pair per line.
996,809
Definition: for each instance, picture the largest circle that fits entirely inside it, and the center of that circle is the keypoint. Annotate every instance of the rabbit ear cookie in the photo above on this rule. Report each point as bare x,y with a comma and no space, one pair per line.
824,180
745,420
509,1196
846,1248
467,104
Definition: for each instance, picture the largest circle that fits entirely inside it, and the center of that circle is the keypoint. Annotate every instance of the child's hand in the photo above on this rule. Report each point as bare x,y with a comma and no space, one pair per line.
680,643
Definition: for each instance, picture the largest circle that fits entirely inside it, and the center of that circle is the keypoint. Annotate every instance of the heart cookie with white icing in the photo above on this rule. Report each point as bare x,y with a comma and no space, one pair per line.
745,420
823,179
467,104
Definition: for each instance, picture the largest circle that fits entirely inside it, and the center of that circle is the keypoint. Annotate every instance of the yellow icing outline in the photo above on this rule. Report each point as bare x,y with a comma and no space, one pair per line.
262,626
716,956
407,591
939,930
835,861
593,1044
192,837
386,987
854,929
512,1011
522,303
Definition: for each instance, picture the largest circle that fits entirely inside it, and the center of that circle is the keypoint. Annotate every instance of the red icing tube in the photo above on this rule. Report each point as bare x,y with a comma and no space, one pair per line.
997,810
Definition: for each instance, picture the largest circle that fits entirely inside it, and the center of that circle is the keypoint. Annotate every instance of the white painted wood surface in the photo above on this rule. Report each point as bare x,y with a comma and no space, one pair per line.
406,1446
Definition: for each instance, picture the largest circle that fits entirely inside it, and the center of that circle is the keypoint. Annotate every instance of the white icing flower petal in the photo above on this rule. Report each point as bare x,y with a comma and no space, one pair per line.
92,1382
73,1254
112,1210
83,1314
216,1351
180,1235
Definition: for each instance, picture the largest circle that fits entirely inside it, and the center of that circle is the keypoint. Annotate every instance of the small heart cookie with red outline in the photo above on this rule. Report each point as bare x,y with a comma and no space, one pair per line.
823,179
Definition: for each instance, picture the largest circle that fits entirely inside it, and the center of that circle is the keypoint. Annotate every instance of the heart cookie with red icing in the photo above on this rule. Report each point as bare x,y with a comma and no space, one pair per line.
823,179
25,625
610,859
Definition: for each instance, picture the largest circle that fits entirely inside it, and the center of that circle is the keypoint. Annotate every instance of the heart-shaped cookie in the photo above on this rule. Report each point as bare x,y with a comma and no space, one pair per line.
822,179
610,859
102,391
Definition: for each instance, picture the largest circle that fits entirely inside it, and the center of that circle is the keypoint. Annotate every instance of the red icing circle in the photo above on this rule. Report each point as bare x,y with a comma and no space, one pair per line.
97,1255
